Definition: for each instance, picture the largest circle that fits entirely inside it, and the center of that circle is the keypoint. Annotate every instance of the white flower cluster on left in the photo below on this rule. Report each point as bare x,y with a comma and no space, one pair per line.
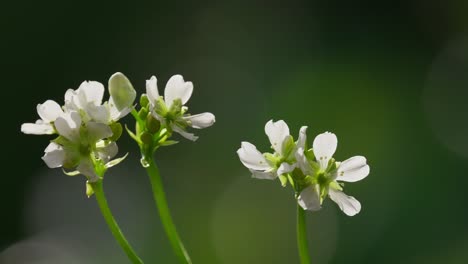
87,127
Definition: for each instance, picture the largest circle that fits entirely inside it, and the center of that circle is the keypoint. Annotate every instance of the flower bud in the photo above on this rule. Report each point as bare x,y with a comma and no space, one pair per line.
152,124
144,101
146,138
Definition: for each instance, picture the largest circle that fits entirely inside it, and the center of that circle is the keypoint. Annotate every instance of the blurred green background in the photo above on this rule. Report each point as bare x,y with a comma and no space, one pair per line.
389,78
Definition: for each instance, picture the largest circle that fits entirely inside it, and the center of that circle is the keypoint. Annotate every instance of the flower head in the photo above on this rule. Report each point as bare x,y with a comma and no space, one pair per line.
313,173
281,161
87,128
325,175
171,111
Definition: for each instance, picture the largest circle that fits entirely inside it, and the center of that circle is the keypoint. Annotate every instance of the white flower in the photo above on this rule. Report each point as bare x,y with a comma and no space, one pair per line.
87,100
79,144
48,111
270,166
327,173
170,109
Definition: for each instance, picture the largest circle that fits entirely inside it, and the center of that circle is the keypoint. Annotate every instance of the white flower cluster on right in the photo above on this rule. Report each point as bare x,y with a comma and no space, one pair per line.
313,173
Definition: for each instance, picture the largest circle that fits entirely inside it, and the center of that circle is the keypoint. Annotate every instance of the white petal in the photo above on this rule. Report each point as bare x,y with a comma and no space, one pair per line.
99,113
263,175
176,87
108,152
353,169
309,198
86,168
115,114
37,129
184,133
70,105
285,168
152,89
54,155
68,125
97,131
49,111
93,92
277,132
201,120
302,162
252,158
348,204
324,147
302,138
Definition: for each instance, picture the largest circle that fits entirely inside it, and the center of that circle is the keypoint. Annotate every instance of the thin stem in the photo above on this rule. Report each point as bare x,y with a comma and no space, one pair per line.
302,236
113,226
166,219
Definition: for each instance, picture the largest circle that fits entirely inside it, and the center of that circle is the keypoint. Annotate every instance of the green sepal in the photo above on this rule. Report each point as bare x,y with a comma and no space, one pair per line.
114,162
71,173
283,179
132,135
143,113
166,143
291,181
309,154
116,131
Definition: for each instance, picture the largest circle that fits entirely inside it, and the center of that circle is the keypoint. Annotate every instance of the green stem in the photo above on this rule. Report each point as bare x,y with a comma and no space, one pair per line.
164,214
302,236
113,226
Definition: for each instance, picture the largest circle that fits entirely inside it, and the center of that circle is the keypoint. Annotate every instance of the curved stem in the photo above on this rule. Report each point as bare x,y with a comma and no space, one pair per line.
113,226
302,236
164,214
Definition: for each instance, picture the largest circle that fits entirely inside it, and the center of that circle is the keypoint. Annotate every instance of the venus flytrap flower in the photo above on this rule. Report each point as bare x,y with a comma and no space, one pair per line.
156,121
272,165
313,174
171,111
87,133
326,174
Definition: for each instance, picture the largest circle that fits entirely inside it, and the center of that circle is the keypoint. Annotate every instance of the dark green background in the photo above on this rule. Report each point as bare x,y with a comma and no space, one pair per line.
390,79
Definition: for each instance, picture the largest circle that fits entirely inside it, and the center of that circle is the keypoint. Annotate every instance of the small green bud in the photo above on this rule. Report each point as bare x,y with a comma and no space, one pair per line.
144,101
143,113
121,90
146,138
116,131
152,124
89,189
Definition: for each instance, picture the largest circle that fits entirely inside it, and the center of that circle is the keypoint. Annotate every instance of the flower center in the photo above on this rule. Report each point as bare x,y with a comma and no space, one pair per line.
322,179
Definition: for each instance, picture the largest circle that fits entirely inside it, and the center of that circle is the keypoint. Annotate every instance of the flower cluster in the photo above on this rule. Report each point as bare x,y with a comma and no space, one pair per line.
160,116
313,173
87,127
